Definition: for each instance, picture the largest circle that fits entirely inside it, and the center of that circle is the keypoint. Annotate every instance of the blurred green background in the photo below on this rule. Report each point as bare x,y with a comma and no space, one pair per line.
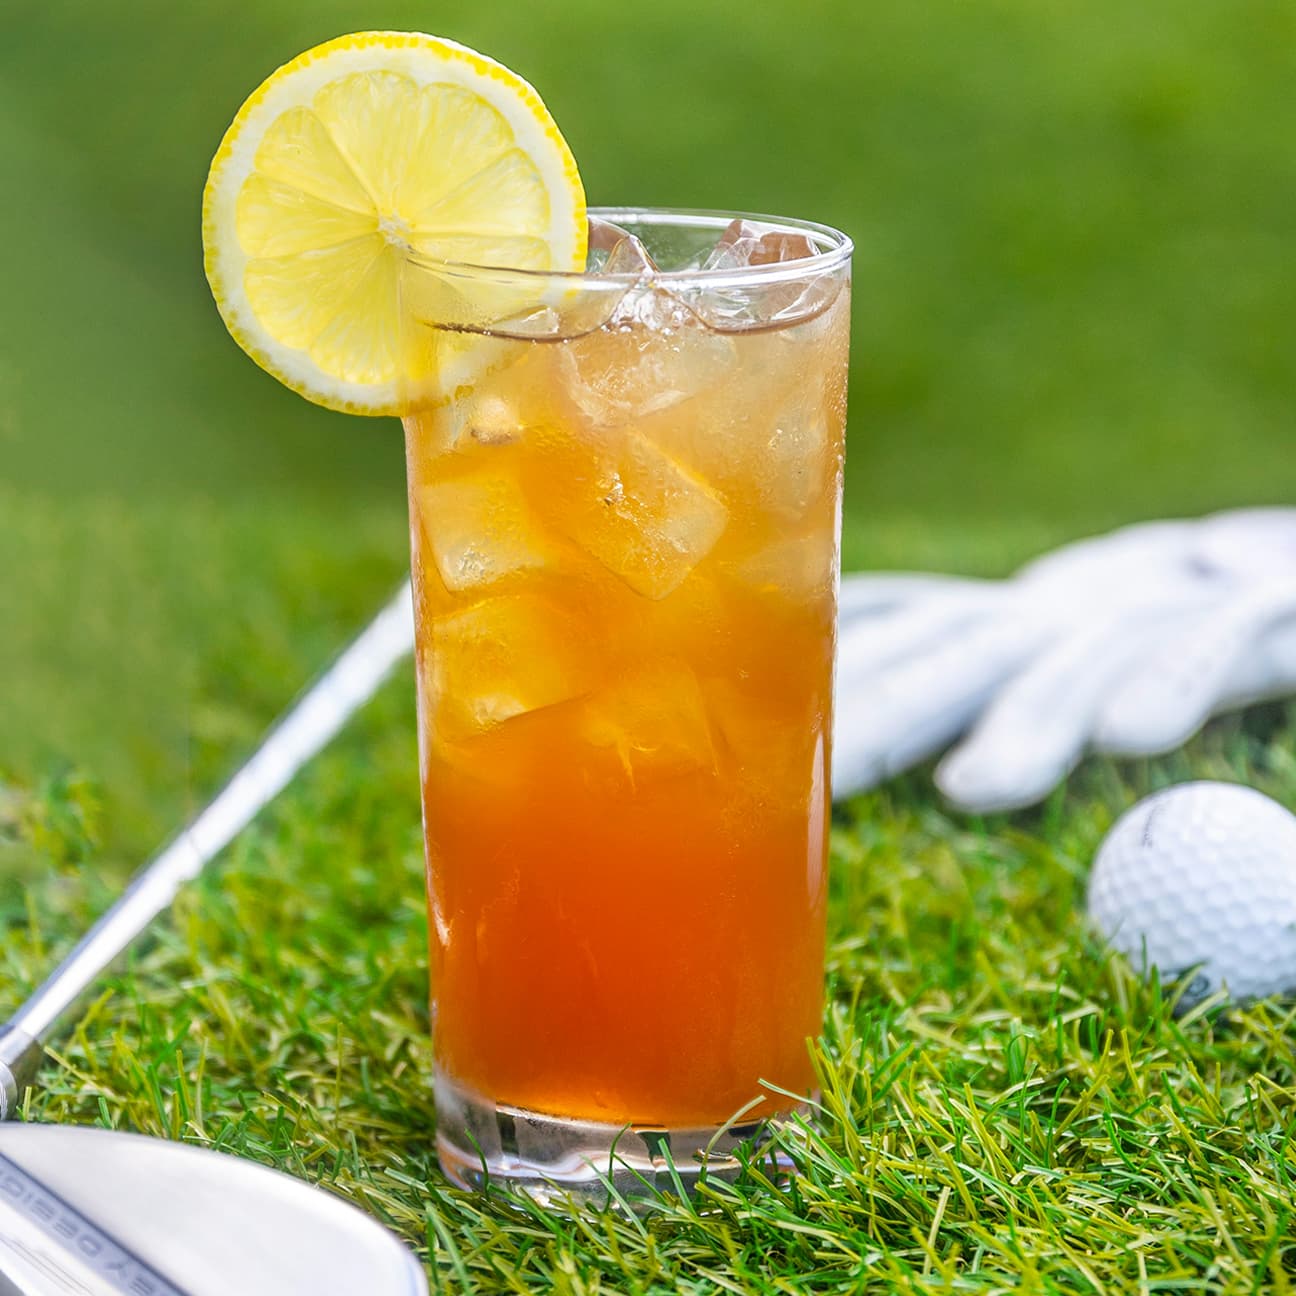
1074,223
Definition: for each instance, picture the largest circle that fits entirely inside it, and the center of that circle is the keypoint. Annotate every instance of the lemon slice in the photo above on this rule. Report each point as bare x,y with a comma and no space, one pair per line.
357,156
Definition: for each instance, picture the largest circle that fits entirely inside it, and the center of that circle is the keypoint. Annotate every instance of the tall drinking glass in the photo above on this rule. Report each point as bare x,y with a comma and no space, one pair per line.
624,493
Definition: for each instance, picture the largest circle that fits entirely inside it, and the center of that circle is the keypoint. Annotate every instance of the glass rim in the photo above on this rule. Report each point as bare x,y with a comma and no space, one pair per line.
835,251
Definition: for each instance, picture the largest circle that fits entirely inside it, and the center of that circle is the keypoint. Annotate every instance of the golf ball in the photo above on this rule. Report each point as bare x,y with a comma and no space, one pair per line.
1201,879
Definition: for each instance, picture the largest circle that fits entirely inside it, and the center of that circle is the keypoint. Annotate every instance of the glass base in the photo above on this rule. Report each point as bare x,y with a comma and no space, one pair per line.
482,1144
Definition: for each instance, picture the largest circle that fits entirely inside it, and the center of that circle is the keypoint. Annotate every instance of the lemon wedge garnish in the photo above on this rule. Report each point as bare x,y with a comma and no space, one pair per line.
358,156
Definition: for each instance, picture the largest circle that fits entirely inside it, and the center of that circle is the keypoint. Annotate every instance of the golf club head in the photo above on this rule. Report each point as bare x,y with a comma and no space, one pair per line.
100,1213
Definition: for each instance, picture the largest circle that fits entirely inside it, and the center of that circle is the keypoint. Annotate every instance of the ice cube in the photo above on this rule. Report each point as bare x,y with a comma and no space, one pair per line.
508,397
797,567
795,459
480,529
501,658
652,354
620,266
643,349
613,250
768,748
629,256
493,417
604,235
760,300
642,514
486,419
749,243
653,722
772,445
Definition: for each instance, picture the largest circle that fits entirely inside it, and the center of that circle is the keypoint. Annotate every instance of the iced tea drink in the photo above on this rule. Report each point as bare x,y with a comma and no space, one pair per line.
624,525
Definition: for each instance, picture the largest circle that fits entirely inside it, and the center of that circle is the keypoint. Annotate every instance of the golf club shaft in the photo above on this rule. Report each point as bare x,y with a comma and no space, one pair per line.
298,735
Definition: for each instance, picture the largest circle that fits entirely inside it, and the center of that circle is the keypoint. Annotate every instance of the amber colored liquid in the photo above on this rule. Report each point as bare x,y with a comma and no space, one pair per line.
625,562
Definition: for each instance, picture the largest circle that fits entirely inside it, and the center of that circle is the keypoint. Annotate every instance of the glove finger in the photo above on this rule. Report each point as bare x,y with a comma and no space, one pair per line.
1268,672
872,644
1037,728
1184,676
1134,554
891,719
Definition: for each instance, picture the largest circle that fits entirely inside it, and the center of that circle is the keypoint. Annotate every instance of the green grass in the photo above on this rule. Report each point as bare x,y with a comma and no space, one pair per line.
1072,309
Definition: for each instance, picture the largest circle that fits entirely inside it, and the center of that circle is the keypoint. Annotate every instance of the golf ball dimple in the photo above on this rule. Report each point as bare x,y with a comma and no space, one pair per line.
1202,877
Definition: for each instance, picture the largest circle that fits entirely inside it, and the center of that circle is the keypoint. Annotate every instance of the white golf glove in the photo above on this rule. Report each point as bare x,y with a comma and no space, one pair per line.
1125,644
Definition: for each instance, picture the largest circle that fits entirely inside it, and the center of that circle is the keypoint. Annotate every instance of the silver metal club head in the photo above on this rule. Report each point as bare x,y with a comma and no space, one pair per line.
100,1213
